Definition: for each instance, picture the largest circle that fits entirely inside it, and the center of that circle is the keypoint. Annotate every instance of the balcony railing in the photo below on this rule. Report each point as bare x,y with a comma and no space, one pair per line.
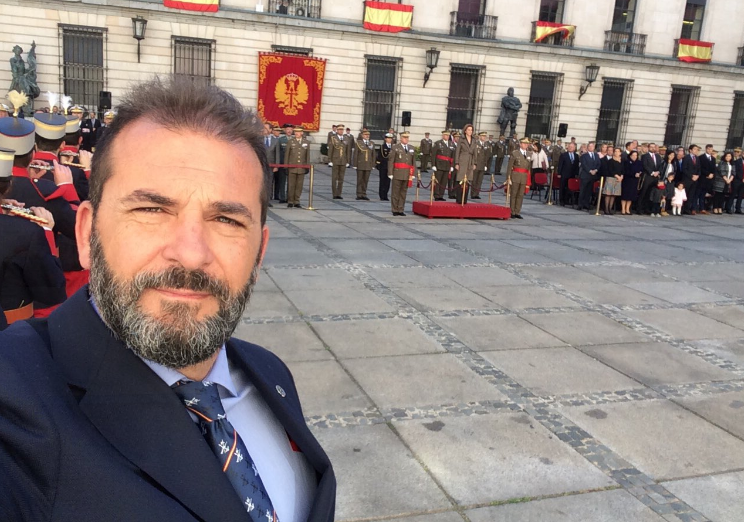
554,39
301,8
473,25
740,57
628,43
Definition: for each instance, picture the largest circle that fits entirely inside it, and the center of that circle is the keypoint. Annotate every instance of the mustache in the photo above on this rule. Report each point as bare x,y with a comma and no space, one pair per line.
178,278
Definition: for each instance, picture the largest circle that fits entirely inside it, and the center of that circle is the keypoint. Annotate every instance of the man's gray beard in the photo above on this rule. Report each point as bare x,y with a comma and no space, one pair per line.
178,339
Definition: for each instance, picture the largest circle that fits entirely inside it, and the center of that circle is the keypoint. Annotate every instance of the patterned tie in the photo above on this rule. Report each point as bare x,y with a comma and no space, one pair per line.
203,400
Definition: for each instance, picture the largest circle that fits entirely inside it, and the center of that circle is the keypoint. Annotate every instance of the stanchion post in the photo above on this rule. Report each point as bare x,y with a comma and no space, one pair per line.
464,188
550,185
418,184
310,193
490,192
599,195
433,181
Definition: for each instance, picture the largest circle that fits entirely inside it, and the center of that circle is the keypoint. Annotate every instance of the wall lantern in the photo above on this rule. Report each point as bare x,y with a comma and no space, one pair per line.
432,60
139,25
590,75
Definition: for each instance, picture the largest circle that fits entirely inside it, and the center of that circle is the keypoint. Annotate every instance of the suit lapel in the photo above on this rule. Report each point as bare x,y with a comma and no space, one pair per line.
138,413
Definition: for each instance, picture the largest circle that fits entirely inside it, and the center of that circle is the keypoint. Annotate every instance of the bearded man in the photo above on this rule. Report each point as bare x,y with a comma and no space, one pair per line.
132,401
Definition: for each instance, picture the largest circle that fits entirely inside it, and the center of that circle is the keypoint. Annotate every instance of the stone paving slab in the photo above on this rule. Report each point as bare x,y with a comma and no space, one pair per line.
444,298
730,315
439,517
602,506
524,297
329,301
325,388
506,332
498,457
292,342
656,363
583,328
676,292
377,475
719,497
611,294
313,278
728,349
660,438
685,324
419,380
556,371
269,304
476,278
627,274
725,410
375,338
417,277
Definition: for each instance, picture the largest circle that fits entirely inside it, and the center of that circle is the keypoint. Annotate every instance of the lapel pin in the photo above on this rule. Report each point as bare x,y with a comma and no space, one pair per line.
281,391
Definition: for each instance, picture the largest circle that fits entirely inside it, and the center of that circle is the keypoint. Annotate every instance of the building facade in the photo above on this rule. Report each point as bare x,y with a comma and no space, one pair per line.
642,89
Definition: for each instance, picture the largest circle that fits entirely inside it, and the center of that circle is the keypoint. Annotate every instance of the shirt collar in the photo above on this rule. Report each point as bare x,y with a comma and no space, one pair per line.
20,172
219,374
45,156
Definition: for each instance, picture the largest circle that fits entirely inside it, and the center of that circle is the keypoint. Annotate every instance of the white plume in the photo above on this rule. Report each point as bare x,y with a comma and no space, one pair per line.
65,102
17,100
53,99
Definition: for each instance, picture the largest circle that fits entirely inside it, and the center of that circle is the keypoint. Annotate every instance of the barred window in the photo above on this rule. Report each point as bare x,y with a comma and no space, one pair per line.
614,110
542,109
736,127
83,73
192,58
681,118
462,103
380,94
551,11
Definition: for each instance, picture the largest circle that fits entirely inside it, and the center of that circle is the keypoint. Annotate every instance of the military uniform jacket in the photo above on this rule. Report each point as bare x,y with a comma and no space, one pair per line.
442,148
465,157
364,155
555,155
482,155
28,270
399,156
283,141
425,146
518,161
298,153
511,146
383,154
339,150
499,149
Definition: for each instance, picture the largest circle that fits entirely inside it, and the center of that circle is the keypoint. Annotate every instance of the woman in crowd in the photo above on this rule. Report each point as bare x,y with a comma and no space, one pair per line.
539,159
465,161
722,182
667,171
613,180
631,178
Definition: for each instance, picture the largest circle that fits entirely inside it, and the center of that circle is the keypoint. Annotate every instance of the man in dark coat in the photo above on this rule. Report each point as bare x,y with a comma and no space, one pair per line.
568,167
690,176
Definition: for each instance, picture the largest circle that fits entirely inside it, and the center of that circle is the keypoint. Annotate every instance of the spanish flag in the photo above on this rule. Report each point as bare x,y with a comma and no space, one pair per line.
204,6
387,18
545,29
692,51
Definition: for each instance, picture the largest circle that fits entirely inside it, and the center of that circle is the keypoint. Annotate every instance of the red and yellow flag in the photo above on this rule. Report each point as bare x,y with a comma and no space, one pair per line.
545,29
204,6
387,18
693,51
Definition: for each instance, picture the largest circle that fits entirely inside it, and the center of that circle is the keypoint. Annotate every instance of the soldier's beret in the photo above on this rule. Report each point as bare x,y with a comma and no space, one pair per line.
287,126
109,113
50,126
446,132
77,109
525,140
299,129
483,133
6,163
405,134
737,149
455,134
341,125
388,135
365,132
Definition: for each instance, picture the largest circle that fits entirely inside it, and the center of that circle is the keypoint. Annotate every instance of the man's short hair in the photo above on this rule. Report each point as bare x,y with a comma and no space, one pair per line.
709,146
180,104
693,146
73,138
48,145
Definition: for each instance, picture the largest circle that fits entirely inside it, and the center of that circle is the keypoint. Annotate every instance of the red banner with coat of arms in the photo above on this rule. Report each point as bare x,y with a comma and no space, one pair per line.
290,89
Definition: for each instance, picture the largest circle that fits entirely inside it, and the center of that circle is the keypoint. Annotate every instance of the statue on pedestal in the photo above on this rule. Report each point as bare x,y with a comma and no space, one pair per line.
24,74
510,106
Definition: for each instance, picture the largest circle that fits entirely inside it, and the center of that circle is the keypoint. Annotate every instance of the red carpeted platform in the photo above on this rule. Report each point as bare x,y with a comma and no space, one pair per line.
446,209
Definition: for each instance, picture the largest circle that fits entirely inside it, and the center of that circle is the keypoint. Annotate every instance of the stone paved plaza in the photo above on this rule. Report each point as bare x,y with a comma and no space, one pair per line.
565,367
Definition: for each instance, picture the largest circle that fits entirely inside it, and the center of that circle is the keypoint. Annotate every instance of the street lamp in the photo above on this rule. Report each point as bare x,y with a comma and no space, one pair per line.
139,25
590,75
432,60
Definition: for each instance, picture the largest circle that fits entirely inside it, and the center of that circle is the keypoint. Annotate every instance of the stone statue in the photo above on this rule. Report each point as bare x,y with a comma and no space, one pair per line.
24,74
510,106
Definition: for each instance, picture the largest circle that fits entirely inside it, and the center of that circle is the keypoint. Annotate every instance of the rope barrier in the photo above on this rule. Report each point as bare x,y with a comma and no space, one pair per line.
425,187
287,165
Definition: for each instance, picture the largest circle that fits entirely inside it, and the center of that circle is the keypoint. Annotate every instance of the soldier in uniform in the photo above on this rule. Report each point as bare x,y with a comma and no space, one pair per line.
454,140
339,155
108,118
400,164
382,166
555,154
364,160
499,148
482,157
517,176
298,153
425,151
442,164
512,145
89,128
280,178
31,272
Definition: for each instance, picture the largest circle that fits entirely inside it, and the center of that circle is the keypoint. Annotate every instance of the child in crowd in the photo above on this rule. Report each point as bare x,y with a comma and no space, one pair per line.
668,194
680,196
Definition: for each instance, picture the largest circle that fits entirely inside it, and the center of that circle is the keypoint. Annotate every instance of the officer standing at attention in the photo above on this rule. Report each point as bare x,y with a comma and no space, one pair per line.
298,153
425,151
400,164
482,158
339,155
454,141
364,160
517,175
442,164
280,185
382,166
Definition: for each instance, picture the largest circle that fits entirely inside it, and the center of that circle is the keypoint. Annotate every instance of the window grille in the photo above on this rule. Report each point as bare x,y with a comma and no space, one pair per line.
83,63
464,95
681,118
736,127
542,109
614,110
193,58
380,94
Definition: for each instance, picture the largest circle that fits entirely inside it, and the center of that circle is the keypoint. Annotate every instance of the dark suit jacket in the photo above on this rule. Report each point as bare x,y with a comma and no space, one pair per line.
89,132
738,170
588,164
707,166
566,168
689,169
88,432
273,152
647,160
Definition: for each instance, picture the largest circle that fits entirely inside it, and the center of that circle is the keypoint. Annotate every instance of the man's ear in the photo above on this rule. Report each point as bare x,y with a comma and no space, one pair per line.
83,231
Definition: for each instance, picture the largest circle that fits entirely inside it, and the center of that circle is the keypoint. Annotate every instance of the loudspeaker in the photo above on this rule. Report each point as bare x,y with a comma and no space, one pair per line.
562,130
406,119
104,100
